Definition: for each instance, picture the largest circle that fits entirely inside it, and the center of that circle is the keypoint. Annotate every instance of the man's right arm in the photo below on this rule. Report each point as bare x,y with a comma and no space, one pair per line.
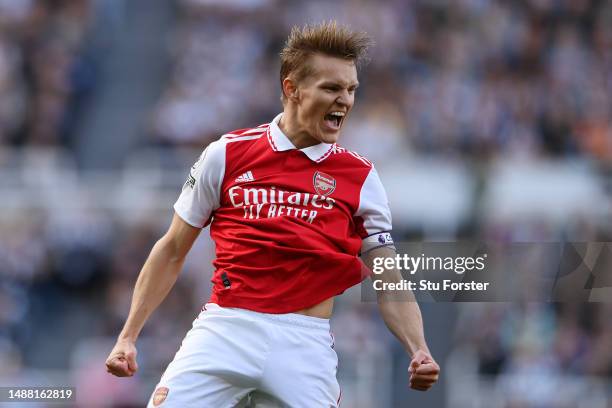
156,278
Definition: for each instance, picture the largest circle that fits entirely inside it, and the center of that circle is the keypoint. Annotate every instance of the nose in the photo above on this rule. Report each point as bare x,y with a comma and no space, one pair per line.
344,98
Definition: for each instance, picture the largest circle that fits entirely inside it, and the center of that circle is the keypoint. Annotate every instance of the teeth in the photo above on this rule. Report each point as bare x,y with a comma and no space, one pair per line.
339,114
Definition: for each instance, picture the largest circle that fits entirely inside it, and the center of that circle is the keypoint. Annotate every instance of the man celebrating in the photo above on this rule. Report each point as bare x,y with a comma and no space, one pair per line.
289,211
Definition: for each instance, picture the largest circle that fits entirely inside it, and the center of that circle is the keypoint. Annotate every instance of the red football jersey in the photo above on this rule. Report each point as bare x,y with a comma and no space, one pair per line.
288,223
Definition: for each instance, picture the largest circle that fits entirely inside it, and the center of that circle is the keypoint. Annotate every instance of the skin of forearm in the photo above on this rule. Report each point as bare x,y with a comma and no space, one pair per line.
399,309
403,318
155,280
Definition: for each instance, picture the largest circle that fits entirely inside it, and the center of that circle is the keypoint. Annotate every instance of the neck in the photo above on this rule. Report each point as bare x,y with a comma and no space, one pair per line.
299,137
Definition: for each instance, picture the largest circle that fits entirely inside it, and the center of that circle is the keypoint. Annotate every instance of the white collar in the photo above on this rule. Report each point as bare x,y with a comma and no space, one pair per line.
280,143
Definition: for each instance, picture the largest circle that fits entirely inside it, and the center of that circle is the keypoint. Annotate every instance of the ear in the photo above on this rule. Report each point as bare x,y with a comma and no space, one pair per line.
290,89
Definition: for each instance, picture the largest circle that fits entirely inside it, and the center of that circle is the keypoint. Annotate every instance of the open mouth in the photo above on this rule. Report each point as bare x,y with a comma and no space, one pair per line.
334,119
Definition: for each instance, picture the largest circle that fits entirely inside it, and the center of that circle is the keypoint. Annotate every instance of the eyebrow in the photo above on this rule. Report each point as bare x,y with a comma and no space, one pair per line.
328,83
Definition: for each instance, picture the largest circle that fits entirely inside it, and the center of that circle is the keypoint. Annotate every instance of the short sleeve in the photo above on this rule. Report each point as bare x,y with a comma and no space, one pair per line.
373,216
201,194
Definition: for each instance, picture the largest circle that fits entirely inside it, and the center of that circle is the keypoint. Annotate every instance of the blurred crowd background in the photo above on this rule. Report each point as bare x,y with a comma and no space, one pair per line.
487,120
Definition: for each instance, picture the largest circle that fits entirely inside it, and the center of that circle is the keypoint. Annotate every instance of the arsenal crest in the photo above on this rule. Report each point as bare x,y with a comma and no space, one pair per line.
324,184
160,395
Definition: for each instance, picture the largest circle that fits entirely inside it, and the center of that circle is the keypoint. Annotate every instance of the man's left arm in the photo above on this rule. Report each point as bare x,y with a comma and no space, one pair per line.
402,315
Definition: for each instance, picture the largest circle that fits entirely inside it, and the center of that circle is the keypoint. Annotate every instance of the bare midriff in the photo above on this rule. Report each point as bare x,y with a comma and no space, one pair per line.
322,310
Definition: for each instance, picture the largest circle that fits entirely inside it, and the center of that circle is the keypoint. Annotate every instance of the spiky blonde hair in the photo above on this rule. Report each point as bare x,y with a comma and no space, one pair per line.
327,38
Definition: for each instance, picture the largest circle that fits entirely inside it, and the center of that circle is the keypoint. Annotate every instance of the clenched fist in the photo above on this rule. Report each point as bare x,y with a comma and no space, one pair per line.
424,371
122,359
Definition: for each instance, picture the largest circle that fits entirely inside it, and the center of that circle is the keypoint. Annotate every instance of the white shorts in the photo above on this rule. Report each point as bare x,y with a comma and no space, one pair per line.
237,358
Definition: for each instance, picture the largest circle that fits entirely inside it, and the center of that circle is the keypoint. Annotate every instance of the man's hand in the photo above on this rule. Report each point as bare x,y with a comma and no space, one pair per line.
424,371
402,315
122,359
155,280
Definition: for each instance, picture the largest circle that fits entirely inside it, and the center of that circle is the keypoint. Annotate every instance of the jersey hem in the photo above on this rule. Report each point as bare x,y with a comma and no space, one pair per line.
264,306
376,233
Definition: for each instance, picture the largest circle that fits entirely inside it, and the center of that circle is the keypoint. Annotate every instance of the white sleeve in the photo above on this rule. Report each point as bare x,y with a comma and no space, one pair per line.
201,194
375,213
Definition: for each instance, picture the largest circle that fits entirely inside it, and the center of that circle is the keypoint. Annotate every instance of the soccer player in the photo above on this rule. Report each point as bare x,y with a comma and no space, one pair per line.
290,211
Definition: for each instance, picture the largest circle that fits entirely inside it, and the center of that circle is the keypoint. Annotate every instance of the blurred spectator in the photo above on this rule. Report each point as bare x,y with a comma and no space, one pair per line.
41,69
477,78
474,80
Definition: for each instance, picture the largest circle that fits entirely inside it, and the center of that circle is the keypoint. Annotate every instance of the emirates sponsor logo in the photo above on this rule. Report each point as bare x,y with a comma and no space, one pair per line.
160,396
323,183
272,202
240,197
